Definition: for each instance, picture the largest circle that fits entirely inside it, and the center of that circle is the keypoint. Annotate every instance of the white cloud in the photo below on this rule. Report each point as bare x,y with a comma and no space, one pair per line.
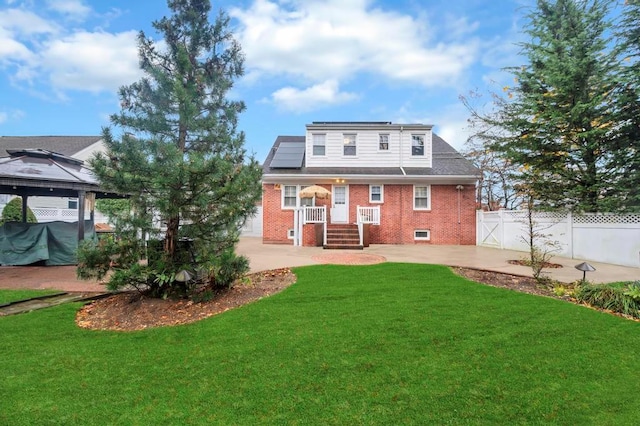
450,122
92,61
336,39
23,22
74,9
13,115
312,98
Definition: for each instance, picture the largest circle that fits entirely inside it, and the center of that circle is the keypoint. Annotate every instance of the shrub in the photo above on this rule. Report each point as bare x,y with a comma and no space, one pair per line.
12,212
228,267
614,298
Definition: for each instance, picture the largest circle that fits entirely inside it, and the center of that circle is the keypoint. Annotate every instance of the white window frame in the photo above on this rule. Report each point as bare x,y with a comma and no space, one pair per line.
315,143
428,197
427,238
381,200
291,233
299,203
415,137
283,197
71,201
346,136
380,141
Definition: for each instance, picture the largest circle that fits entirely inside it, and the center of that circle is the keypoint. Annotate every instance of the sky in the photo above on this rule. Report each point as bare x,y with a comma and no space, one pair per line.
405,61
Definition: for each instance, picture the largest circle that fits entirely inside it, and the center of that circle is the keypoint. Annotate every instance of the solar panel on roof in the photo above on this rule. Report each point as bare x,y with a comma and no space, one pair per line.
289,155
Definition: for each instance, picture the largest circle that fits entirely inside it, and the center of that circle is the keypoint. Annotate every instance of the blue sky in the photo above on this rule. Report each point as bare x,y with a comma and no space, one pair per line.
62,61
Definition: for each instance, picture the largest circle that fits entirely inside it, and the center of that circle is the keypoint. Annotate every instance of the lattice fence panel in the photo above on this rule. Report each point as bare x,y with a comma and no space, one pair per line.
612,218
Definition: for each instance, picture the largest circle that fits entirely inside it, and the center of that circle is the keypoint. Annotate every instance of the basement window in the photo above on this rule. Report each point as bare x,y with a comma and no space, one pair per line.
290,234
422,235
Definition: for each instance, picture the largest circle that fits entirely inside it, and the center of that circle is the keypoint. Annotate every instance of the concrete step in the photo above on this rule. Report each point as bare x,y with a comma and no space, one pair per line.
331,246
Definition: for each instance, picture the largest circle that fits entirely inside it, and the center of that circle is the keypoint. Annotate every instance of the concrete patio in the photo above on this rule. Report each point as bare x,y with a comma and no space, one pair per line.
264,257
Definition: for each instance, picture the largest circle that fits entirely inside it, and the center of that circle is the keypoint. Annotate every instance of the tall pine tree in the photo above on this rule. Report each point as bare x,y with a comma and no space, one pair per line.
558,118
628,107
179,155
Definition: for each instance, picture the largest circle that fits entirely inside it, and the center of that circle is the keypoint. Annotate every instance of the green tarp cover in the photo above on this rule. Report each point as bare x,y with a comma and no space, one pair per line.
55,243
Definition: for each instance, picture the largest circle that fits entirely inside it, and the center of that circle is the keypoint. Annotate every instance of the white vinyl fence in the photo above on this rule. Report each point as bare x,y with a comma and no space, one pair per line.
64,215
601,237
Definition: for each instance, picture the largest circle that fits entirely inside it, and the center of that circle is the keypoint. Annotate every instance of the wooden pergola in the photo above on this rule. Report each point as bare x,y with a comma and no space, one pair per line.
38,172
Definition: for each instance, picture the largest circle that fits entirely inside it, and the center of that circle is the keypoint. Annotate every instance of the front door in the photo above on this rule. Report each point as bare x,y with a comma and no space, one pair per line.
340,204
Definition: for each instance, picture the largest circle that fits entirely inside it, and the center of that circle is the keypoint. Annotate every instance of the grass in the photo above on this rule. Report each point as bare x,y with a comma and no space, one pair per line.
382,344
7,296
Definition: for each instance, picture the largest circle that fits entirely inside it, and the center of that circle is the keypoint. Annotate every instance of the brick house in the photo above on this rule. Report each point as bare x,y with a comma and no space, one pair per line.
389,184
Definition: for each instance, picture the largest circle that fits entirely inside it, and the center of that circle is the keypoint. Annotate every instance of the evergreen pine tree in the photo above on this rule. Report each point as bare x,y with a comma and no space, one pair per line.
557,122
179,156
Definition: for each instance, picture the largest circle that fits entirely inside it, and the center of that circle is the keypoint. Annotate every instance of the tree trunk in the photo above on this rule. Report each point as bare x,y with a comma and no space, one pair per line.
171,238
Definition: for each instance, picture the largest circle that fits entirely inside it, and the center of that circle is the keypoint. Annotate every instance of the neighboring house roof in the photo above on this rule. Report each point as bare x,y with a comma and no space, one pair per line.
446,161
43,173
65,145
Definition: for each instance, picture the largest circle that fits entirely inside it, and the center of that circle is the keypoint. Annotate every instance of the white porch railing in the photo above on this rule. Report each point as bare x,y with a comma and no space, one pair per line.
369,215
315,214
309,214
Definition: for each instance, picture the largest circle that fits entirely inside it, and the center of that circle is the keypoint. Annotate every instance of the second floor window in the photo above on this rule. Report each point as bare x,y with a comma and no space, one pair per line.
417,145
349,148
319,144
383,144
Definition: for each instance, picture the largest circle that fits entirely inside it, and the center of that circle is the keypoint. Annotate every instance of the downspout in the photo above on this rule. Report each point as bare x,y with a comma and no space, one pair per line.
401,188
459,188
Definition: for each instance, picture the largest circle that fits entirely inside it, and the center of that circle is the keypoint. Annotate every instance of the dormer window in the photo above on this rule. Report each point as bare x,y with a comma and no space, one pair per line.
417,145
383,142
349,148
319,144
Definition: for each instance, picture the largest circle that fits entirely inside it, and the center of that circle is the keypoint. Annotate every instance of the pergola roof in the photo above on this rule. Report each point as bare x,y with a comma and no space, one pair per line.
38,172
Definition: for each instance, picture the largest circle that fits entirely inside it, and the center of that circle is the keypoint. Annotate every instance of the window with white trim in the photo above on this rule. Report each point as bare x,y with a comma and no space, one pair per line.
421,197
376,193
417,145
319,144
306,201
349,148
383,142
72,203
289,196
291,199
422,234
290,234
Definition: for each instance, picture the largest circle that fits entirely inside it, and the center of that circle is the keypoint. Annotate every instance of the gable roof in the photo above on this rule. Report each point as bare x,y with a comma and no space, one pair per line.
65,145
446,161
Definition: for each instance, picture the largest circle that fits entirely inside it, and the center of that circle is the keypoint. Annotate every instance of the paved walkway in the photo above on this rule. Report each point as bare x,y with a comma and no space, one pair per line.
271,256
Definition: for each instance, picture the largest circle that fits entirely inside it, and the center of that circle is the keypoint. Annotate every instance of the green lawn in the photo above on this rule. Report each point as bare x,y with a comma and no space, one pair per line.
383,344
7,296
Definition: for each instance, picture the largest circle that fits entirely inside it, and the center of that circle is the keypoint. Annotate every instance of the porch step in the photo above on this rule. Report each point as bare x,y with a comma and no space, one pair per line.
343,237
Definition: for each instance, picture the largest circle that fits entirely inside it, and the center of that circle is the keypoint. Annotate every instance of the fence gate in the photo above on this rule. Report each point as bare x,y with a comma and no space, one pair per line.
491,229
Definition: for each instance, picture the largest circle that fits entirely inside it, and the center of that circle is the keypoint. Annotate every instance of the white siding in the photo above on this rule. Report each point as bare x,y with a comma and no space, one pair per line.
88,152
367,152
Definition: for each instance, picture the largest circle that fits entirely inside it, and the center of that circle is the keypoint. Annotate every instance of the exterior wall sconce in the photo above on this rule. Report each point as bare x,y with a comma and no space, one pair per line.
584,267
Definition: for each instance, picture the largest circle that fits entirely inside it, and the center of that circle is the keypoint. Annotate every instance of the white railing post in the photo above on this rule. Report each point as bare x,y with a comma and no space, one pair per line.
324,225
360,231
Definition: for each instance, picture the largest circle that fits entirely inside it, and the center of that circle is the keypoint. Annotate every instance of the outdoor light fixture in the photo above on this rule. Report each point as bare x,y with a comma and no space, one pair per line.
584,267
183,276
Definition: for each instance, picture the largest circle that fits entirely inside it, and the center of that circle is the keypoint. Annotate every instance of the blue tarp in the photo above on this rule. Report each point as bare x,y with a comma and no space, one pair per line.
55,243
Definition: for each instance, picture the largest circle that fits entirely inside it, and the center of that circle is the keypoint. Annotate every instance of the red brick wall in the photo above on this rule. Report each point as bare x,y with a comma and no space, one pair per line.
275,221
399,219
